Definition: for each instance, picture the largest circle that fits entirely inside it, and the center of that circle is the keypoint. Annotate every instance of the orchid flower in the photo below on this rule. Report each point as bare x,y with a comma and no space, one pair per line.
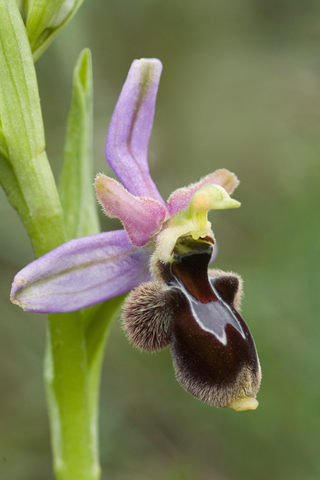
161,257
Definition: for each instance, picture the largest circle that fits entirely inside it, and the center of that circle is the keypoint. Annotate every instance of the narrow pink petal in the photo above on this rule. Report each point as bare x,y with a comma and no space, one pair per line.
80,273
180,198
130,129
141,216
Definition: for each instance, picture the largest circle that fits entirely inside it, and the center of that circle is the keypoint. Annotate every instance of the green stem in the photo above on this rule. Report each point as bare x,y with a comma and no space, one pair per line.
66,376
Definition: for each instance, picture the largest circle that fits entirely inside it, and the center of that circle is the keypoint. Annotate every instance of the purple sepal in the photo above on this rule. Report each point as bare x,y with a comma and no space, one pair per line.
130,129
81,273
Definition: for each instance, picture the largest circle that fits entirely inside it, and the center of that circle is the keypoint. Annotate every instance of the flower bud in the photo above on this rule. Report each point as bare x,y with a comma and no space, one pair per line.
45,19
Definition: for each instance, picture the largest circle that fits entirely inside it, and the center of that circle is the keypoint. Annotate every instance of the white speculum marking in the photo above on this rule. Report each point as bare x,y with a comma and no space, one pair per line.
224,313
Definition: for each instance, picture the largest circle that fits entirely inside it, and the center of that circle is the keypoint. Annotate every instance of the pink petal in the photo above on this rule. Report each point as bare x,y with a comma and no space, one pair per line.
141,216
180,198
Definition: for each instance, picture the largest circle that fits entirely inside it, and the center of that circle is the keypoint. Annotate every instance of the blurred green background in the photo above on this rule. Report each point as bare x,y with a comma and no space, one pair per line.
240,89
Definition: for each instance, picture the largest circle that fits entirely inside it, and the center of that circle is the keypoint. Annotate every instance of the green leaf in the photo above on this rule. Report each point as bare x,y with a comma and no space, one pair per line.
3,144
45,19
10,185
76,184
21,4
13,191
97,322
23,136
19,98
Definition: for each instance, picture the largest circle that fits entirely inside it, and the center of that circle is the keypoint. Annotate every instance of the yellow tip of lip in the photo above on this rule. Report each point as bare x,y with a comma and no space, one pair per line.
244,403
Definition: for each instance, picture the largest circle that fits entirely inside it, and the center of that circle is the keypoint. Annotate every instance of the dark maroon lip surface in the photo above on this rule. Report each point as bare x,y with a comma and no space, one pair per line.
208,334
